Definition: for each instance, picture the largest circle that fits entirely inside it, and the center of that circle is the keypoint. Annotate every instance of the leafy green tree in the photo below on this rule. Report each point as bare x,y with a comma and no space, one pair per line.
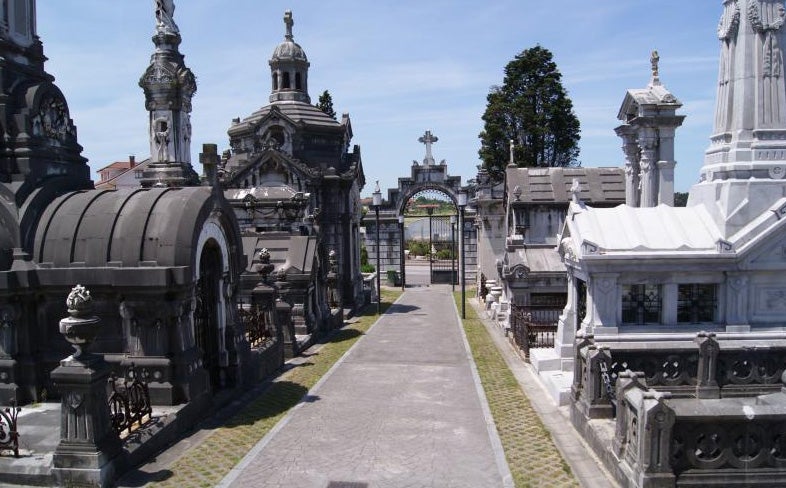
325,104
532,109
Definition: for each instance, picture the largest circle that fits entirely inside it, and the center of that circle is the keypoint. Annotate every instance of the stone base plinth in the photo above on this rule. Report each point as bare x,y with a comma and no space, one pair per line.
74,466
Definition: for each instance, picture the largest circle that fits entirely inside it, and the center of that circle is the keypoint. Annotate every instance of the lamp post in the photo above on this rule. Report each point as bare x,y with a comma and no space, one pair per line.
462,203
430,210
403,256
453,252
376,202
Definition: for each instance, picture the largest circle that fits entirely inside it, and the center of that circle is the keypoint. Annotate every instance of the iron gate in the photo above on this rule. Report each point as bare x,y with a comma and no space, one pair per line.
443,248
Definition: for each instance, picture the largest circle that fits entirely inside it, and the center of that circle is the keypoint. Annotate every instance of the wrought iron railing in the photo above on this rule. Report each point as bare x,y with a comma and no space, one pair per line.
129,401
257,324
9,434
533,328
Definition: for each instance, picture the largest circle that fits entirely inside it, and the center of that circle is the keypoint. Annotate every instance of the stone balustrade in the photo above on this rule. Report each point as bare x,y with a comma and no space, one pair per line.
703,368
663,441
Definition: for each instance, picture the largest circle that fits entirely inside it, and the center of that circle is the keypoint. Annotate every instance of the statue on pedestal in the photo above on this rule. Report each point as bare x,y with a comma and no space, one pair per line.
165,11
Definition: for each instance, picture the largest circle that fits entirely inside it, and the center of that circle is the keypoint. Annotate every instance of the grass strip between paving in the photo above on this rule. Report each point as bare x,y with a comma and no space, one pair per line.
206,464
533,459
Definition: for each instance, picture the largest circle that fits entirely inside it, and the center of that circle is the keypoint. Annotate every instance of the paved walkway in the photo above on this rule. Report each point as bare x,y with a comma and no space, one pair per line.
403,408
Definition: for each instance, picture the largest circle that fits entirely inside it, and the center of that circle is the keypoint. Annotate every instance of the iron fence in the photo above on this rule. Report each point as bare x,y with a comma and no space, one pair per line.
129,402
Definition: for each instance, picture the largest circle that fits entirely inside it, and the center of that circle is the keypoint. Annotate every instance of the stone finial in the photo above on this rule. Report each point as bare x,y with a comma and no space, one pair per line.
289,22
79,301
264,256
81,327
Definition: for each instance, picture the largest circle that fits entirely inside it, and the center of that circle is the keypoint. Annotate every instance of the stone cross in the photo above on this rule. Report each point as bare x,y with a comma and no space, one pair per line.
428,139
289,21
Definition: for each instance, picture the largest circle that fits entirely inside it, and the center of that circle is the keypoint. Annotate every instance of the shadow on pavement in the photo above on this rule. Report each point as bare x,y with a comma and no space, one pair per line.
280,397
345,335
398,308
140,478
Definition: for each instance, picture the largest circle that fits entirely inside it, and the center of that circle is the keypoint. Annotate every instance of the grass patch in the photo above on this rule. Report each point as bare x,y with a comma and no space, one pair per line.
532,457
206,464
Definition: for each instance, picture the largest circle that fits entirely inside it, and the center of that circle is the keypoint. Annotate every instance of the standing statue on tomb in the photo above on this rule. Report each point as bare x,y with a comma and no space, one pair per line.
165,11
161,138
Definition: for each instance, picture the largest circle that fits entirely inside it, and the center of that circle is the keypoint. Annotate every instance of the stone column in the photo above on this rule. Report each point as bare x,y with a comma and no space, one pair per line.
632,155
88,450
666,165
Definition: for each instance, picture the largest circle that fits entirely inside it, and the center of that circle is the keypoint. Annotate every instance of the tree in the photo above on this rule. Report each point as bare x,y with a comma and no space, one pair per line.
325,104
532,109
680,199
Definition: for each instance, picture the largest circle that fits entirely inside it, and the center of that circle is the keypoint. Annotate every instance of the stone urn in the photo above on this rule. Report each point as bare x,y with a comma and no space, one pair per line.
81,327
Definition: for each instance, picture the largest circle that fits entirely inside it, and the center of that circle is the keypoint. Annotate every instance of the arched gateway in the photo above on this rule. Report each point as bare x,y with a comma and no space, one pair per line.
422,215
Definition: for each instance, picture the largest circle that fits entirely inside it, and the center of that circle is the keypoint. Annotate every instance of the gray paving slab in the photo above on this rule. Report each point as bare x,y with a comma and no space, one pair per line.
401,409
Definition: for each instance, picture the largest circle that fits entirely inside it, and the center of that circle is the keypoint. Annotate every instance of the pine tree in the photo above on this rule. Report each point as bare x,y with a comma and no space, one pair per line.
532,109
325,104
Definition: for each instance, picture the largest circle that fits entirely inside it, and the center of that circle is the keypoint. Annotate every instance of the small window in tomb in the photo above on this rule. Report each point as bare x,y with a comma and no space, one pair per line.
275,81
285,81
138,174
298,84
697,303
641,304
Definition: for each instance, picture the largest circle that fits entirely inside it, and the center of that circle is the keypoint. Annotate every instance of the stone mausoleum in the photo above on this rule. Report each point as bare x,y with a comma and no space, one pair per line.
676,333
294,185
200,284
162,261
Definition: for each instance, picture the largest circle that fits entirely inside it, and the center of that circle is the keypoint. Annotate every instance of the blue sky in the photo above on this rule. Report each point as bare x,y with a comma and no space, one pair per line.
398,68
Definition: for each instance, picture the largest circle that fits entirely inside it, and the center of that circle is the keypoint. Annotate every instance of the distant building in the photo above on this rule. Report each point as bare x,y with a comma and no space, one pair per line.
121,174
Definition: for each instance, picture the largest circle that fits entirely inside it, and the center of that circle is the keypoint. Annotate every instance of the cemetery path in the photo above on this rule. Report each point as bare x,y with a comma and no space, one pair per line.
403,408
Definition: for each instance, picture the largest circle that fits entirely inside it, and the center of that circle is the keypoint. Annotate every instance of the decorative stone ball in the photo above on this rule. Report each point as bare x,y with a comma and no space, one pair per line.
79,301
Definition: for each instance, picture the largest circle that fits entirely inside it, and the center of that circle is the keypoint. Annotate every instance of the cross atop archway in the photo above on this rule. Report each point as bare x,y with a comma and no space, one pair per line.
428,139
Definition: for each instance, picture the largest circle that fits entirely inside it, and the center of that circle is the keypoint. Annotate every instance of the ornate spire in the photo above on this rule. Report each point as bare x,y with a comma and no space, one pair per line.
169,86
745,165
289,68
